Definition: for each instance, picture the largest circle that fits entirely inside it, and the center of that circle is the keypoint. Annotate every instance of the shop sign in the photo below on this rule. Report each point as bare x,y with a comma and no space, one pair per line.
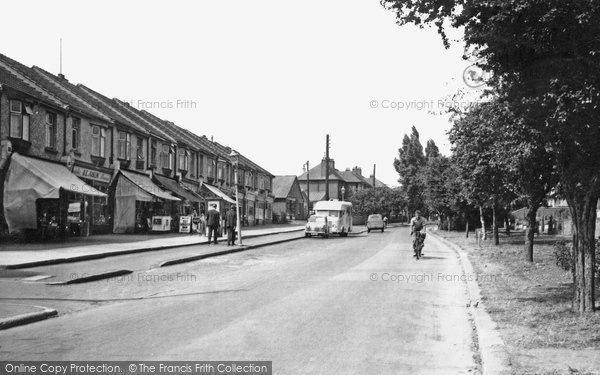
185,224
91,174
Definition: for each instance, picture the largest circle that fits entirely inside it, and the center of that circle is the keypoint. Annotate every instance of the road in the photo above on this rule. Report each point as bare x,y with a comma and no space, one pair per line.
340,305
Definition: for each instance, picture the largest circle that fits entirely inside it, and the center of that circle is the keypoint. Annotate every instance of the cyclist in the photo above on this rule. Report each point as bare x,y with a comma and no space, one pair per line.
417,224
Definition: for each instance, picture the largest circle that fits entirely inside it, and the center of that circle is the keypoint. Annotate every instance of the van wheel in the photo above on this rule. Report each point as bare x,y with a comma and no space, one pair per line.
368,230
381,230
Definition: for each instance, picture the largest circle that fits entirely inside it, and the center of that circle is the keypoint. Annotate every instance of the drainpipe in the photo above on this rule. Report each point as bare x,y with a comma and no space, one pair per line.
65,133
112,141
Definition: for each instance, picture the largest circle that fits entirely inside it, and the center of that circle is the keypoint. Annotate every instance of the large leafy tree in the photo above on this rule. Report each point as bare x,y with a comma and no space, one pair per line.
474,136
409,165
381,200
544,56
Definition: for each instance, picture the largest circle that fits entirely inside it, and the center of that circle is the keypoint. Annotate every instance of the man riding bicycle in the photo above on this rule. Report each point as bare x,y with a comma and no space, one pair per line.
417,224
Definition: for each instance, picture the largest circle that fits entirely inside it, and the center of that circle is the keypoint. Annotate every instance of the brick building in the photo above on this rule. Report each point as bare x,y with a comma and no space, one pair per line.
348,181
139,165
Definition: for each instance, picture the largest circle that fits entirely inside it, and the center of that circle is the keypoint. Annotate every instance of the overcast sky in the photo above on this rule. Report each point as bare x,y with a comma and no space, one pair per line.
269,78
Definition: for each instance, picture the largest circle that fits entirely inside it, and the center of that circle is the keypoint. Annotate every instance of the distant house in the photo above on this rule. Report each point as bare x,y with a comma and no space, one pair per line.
342,184
553,219
290,201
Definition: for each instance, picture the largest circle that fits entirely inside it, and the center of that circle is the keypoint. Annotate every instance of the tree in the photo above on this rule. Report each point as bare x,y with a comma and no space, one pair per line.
474,136
544,58
381,200
409,164
431,150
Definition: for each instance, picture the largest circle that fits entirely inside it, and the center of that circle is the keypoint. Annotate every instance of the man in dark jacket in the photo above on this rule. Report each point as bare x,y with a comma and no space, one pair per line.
230,223
213,221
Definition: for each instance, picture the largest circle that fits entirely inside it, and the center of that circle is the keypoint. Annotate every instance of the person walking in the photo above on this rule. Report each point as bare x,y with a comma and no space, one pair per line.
230,223
213,220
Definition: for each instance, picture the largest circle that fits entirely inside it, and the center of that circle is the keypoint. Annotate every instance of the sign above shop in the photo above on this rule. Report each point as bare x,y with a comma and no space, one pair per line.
91,174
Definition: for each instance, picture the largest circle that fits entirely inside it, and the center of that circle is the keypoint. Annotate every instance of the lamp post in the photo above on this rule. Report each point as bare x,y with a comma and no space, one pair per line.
343,191
234,156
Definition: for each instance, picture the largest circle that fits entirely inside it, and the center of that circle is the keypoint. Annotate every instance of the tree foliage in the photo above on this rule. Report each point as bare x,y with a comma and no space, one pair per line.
544,57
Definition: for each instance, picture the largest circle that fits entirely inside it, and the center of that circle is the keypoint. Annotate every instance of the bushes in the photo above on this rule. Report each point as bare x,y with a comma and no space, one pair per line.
564,257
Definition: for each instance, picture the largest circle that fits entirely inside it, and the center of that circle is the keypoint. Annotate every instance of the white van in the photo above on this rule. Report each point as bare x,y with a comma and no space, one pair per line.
338,214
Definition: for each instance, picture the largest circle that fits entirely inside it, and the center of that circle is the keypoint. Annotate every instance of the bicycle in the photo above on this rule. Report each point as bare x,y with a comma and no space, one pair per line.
418,244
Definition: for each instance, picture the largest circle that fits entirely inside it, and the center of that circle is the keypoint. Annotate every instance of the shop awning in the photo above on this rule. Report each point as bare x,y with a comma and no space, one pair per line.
177,189
28,180
143,183
216,191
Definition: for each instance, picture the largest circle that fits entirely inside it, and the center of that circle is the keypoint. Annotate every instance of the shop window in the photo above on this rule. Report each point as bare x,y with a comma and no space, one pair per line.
75,133
220,174
98,141
19,120
51,130
124,146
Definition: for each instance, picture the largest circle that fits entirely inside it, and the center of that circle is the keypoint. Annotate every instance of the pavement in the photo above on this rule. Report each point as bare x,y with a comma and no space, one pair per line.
22,258
352,305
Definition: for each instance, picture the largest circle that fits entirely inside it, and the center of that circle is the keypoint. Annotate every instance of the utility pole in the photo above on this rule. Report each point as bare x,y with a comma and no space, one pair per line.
308,187
374,166
327,167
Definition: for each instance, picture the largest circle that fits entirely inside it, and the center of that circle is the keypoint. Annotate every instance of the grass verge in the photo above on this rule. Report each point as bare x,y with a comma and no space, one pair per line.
531,303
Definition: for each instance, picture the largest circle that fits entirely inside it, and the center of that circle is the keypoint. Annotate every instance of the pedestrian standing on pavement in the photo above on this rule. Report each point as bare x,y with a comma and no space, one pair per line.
213,220
195,222
230,223
202,225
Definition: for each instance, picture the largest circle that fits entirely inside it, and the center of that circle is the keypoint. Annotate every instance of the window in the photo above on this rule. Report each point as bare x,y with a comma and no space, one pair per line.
19,120
220,174
200,165
98,141
165,157
139,149
51,130
124,146
192,164
211,169
75,132
182,160
153,152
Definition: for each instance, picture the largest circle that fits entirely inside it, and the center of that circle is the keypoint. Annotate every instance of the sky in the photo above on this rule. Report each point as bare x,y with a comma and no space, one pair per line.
268,78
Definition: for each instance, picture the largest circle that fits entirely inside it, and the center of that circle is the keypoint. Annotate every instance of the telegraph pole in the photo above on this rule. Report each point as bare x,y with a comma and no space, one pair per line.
308,187
327,167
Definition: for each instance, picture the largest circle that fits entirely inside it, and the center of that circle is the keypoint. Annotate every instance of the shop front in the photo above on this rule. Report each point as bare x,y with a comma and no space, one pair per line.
97,206
46,197
215,196
141,205
190,202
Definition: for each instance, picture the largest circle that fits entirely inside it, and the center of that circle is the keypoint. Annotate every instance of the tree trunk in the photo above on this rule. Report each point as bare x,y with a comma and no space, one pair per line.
448,227
583,211
482,219
467,230
495,225
507,225
529,233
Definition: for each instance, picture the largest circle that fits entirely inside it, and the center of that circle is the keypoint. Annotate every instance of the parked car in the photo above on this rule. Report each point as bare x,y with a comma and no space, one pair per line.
316,226
375,221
